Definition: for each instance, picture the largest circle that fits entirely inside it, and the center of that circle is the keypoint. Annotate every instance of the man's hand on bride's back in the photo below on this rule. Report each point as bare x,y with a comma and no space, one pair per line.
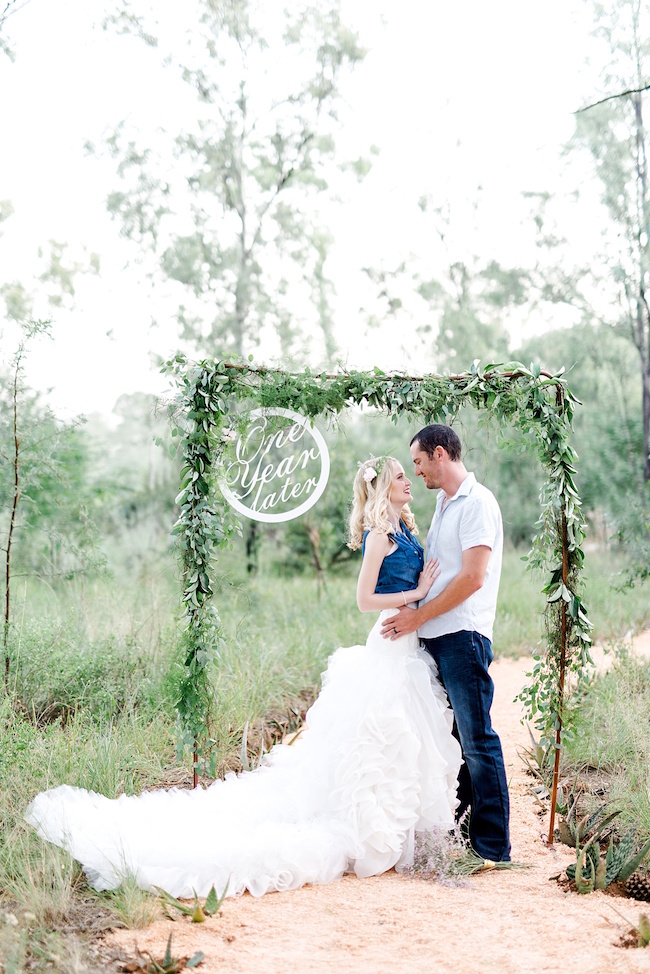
426,579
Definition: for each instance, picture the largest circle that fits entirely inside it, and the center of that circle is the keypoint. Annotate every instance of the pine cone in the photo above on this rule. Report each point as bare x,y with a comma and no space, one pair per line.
638,886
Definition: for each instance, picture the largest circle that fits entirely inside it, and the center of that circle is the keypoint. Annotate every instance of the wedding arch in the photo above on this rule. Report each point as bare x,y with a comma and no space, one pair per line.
510,396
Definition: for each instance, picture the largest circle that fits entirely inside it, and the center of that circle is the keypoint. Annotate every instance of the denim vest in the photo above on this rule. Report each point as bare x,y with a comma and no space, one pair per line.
400,569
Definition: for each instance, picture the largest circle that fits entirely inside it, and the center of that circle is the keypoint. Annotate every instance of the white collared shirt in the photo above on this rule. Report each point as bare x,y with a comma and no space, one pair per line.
470,518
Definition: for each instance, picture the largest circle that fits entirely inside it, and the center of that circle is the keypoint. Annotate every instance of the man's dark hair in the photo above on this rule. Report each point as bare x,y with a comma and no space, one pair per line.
437,435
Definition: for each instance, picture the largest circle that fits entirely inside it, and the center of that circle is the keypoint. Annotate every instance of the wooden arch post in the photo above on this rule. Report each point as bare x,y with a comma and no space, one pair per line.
563,656
562,675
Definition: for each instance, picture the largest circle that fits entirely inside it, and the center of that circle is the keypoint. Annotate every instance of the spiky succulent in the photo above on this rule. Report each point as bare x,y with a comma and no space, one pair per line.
590,872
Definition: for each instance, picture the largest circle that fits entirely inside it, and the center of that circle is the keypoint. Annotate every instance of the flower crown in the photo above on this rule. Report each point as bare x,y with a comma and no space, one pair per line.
372,467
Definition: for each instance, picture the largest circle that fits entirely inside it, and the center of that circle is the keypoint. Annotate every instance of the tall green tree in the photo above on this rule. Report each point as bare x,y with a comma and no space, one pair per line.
470,304
450,316
133,476
613,131
601,371
46,526
449,305
228,208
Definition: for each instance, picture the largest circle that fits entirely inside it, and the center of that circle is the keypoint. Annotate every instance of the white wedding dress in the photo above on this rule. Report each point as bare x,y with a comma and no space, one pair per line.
376,763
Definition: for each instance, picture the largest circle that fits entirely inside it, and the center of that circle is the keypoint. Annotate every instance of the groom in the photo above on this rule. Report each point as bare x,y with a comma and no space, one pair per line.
455,623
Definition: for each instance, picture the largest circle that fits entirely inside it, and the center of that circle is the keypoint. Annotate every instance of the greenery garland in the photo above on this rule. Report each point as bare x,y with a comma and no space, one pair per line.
511,397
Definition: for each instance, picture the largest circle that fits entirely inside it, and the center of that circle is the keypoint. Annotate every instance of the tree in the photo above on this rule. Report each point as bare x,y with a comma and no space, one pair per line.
613,131
7,8
608,429
470,299
228,208
608,437
448,305
41,484
42,487
53,282
133,477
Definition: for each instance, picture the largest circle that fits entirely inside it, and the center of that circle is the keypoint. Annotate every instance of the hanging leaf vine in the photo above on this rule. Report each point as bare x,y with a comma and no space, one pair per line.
510,397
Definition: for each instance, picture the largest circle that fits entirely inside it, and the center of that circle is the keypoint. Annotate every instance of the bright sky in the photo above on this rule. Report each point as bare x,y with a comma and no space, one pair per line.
456,96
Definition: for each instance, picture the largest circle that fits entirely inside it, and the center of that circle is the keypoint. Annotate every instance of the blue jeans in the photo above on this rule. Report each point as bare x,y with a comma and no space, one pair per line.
463,659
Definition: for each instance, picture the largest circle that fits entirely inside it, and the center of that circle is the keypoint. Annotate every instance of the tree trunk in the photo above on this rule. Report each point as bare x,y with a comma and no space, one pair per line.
313,534
642,336
253,541
12,523
646,420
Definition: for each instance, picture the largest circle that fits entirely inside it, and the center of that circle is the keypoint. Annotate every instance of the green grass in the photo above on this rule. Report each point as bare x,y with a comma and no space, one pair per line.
614,611
40,886
519,624
269,603
94,666
612,736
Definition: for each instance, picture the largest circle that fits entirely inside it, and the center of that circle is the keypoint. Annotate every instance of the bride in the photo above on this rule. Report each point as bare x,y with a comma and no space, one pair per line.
376,763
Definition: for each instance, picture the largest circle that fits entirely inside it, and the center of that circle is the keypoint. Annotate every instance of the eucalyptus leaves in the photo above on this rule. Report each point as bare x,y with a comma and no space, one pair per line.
511,397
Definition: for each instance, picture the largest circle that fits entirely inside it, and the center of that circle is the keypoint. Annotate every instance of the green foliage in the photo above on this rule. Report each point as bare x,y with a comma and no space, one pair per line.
45,462
274,654
471,316
52,676
611,133
460,302
574,831
40,885
608,435
53,286
316,542
31,444
134,907
133,477
633,532
251,165
168,964
539,405
198,911
611,734
278,637
623,858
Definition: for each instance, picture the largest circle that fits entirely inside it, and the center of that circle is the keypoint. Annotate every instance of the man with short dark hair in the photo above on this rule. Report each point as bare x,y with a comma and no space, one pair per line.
455,623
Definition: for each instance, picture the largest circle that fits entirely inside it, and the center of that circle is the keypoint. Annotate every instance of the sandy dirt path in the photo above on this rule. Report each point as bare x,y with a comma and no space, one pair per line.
511,922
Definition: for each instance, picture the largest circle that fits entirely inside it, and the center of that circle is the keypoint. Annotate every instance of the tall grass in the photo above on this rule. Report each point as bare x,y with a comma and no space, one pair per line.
94,667
519,624
614,610
612,735
40,885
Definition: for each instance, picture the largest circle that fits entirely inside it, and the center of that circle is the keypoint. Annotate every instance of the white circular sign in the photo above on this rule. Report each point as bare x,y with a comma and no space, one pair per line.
273,468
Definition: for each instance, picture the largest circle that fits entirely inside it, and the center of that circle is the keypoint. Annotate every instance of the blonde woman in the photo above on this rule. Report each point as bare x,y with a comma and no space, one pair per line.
376,763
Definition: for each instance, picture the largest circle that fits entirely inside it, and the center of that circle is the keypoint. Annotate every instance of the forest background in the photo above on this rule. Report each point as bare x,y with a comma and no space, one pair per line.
313,187
229,221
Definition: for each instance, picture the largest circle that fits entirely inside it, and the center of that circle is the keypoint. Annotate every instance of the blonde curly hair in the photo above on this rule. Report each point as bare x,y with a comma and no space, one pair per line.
371,501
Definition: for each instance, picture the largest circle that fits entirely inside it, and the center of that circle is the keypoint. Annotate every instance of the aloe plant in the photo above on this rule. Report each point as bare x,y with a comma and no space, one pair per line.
197,911
166,965
590,872
538,762
572,831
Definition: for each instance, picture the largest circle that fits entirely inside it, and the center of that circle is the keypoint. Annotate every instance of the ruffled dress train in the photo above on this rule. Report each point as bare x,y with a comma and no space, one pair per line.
376,763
